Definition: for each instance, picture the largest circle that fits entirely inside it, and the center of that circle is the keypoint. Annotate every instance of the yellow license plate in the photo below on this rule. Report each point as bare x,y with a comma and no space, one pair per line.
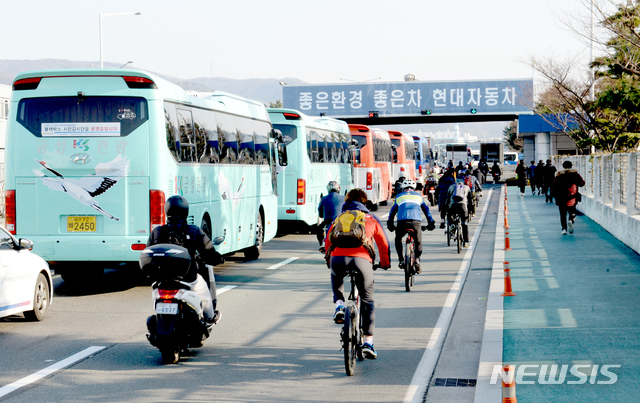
81,224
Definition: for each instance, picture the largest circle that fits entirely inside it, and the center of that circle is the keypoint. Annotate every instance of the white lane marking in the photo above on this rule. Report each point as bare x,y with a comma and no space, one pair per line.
384,217
224,289
426,367
5,390
275,266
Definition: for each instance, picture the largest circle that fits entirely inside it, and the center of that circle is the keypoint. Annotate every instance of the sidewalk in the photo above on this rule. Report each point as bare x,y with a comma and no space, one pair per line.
577,303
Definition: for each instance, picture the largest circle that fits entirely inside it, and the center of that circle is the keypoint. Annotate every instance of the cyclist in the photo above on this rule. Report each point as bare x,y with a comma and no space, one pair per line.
444,183
407,206
397,187
339,259
458,198
328,209
476,190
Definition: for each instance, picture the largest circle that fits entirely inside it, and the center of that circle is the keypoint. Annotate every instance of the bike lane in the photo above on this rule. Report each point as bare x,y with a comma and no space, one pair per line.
572,331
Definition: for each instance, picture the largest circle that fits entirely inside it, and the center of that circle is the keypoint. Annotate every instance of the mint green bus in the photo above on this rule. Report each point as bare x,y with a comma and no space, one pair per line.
93,154
318,150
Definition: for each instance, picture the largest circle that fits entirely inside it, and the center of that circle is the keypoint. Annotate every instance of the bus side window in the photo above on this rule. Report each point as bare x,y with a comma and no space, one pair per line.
322,147
246,148
170,125
206,136
227,138
313,140
187,141
262,130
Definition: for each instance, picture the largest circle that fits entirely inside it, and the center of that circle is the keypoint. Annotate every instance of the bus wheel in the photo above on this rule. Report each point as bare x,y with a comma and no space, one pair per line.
253,252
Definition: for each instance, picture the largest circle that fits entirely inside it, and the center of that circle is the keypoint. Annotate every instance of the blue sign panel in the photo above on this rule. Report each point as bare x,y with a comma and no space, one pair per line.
412,98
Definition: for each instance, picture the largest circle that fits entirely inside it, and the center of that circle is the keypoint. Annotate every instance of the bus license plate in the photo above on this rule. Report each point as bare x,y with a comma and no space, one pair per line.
167,309
81,224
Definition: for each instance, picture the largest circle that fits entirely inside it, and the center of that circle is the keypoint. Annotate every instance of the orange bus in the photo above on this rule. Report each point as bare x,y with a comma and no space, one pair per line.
372,163
404,156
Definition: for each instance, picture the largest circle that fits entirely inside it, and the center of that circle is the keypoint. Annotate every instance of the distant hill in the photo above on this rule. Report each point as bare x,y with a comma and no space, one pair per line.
265,90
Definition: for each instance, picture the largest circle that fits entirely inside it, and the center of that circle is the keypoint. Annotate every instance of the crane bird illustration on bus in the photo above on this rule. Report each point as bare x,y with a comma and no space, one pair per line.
86,189
226,192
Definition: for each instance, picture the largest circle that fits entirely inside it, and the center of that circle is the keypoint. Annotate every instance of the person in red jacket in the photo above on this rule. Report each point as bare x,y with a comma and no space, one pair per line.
339,259
565,190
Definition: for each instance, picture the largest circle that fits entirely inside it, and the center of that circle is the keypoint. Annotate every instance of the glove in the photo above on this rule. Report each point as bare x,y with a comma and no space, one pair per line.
391,227
431,226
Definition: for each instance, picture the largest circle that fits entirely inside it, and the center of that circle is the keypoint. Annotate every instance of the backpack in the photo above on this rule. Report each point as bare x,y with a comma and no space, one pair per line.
459,193
349,231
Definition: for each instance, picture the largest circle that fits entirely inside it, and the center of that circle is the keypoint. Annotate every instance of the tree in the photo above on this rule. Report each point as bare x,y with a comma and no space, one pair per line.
277,104
510,134
610,121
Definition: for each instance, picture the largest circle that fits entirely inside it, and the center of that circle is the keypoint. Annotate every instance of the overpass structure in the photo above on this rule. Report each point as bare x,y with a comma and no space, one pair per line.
414,101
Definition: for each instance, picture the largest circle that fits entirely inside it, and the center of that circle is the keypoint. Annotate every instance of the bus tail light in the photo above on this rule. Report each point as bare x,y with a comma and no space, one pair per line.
156,208
10,211
27,83
420,169
302,191
291,116
369,181
139,82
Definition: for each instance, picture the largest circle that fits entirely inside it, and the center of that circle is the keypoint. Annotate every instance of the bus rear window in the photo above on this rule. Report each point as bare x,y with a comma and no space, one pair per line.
81,116
289,132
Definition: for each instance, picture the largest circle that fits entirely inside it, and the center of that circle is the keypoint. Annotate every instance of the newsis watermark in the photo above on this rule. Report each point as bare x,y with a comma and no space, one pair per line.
543,374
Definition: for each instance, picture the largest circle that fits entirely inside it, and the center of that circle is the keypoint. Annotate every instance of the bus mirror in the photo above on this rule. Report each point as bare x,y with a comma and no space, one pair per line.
282,154
277,135
218,240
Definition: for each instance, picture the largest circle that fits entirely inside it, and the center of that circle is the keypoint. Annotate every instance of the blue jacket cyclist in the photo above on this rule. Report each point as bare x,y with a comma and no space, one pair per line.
409,206
329,208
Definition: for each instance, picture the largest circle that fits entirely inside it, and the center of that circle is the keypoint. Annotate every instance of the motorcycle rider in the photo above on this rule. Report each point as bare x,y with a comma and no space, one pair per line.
407,206
495,170
329,208
178,232
397,187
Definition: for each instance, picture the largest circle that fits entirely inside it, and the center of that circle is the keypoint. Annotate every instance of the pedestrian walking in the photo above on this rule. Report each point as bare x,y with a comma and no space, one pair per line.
538,176
530,174
547,183
565,190
521,176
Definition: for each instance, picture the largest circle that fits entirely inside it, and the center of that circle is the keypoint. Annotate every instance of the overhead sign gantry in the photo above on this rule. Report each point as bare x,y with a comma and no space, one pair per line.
414,101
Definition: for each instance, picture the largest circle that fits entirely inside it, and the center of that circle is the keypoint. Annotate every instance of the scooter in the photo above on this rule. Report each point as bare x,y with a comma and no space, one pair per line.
178,323
431,191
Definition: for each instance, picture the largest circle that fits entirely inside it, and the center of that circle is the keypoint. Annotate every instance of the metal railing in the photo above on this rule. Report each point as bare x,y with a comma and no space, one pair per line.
612,179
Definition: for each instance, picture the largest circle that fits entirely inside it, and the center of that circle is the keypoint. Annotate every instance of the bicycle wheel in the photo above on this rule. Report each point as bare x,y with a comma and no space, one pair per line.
349,340
408,264
459,236
448,232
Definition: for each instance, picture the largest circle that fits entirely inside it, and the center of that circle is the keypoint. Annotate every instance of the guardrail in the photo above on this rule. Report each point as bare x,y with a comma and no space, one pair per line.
611,196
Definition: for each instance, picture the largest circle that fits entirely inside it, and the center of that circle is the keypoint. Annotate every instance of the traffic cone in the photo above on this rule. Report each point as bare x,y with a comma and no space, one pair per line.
508,291
507,243
506,223
509,387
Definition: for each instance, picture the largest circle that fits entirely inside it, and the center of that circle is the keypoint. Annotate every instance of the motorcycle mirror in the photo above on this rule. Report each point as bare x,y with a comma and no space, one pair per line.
218,240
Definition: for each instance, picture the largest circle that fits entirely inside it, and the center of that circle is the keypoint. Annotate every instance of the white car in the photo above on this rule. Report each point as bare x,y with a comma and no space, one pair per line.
25,280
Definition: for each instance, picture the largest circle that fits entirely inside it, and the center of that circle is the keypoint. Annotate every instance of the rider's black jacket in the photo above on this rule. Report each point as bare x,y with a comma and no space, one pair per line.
193,239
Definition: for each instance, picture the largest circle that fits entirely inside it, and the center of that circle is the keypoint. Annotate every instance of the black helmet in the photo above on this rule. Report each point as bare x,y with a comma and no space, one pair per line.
177,206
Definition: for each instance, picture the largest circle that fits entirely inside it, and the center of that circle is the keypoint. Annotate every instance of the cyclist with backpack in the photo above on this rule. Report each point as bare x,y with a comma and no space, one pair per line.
474,186
349,244
178,232
329,207
409,206
458,198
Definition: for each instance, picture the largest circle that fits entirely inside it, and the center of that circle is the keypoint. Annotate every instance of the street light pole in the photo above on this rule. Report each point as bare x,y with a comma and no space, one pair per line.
107,15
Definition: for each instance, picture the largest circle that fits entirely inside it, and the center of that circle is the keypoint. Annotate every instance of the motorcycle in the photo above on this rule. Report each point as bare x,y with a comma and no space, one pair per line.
431,191
178,323
496,176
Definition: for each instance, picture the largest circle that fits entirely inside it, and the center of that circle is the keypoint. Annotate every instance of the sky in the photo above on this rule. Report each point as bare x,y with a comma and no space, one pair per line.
317,42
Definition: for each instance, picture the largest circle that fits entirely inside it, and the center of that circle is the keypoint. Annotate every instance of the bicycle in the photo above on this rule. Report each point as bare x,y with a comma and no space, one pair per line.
351,335
454,230
410,258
